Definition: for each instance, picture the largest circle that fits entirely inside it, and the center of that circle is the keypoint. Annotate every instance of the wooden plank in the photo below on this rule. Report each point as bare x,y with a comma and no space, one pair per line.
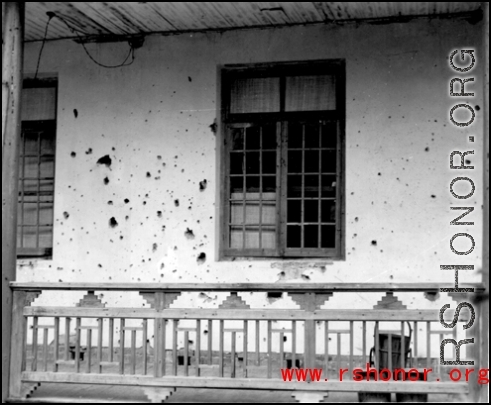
145,346
246,347
230,314
252,383
282,349
67,339
12,65
175,332
415,328
162,346
221,349
270,350
245,287
89,351
19,331
233,353
338,351
35,331
78,332
111,340
258,342
5,102
428,344
121,346
326,348
198,347
156,348
45,349
99,344
364,342
210,342
377,346
56,344
309,343
351,344
133,353
186,353
294,344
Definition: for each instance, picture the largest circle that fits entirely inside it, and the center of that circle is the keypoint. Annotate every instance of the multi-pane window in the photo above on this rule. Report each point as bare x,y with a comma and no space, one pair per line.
37,169
283,160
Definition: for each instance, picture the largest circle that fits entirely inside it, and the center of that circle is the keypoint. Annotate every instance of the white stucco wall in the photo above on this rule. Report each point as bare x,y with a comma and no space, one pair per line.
155,115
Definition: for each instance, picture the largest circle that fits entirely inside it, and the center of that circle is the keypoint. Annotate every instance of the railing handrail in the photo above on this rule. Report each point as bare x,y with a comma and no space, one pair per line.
245,287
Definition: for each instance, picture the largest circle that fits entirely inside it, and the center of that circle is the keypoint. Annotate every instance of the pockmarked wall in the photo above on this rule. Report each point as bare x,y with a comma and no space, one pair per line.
152,216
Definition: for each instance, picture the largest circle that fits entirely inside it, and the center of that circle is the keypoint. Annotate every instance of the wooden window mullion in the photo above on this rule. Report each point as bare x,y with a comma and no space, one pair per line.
38,199
281,201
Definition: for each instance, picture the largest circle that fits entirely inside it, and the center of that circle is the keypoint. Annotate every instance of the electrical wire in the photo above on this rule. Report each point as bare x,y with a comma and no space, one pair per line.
131,52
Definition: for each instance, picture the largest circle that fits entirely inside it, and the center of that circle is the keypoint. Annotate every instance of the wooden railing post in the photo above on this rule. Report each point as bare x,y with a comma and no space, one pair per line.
12,60
18,348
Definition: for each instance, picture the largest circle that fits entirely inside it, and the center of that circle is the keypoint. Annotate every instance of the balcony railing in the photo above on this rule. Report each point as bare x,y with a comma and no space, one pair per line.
163,346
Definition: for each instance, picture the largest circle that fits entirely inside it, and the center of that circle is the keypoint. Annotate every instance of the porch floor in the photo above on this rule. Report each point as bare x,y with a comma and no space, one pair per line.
47,393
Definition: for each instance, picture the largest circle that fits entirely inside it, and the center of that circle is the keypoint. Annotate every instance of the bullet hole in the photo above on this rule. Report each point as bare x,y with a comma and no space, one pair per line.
356,219
126,201
374,243
202,185
214,127
477,108
468,162
105,161
189,234
113,223
355,235
149,174
305,277
88,151
285,338
159,214
155,247
109,203
380,174
66,215
205,332
176,203
274,295
433,196
73,154
427,149
432,295
75,113
190,79
201,258
106,181
100,266
159,157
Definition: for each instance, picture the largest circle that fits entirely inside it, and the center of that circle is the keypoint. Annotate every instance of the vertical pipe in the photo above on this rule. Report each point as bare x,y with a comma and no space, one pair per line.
12,61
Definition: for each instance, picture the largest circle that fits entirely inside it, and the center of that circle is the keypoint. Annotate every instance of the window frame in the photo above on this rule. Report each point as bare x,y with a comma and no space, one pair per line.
38,125
228,73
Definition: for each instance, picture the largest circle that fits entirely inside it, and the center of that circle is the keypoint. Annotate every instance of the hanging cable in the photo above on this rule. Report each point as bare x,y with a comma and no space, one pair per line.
75,31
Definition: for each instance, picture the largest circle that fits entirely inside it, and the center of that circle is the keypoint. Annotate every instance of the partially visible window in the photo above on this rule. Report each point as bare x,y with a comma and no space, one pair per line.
283,161
37,169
